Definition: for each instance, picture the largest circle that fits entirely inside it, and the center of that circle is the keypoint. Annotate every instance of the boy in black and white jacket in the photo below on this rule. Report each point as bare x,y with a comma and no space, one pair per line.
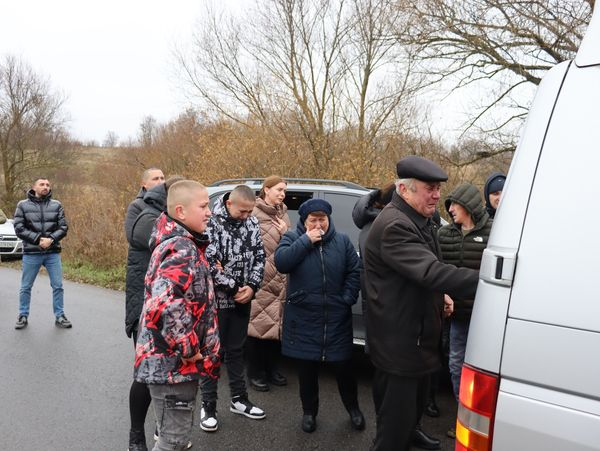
237,260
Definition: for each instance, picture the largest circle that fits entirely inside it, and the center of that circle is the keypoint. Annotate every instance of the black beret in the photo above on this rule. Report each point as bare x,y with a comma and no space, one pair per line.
420,168
312,205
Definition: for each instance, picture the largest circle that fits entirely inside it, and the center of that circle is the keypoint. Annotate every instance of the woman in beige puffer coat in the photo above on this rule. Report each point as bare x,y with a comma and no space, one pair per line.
264,329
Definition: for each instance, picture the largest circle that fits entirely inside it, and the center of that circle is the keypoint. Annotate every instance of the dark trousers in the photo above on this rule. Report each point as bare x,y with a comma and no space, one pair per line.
308,379
399,403
233,330
139,398
262,356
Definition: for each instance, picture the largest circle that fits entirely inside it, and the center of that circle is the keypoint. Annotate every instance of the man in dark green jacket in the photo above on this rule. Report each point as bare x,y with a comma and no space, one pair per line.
406,283
462,243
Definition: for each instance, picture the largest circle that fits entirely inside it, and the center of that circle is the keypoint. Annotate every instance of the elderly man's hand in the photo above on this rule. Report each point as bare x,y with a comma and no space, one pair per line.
448,306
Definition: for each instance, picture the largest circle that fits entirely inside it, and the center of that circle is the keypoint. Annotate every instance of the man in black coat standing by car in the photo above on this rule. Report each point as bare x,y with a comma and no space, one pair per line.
405,284
40,222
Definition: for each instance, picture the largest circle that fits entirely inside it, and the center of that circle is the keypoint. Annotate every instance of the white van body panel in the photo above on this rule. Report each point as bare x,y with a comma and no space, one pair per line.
559,358
523,423
588,54
560,285
539,331
486,332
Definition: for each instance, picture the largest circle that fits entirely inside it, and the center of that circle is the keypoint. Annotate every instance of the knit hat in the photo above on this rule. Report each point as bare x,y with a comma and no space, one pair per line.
496,184
312,205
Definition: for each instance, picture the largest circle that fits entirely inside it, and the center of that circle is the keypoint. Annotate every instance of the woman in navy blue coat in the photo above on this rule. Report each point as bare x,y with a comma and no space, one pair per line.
323,284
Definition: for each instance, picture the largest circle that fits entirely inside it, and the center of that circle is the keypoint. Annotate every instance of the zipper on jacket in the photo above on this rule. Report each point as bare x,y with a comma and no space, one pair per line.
43,223
324,297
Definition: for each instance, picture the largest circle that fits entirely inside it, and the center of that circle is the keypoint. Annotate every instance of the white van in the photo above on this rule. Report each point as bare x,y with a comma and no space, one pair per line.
531,379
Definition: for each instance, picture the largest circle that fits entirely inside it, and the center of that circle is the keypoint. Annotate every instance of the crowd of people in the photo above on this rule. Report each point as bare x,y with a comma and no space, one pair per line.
240,285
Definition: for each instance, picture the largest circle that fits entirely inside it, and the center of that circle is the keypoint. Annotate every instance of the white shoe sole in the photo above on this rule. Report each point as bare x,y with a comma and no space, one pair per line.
209,428
252,416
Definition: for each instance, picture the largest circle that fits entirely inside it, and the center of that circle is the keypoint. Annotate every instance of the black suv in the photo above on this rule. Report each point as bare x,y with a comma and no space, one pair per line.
340,194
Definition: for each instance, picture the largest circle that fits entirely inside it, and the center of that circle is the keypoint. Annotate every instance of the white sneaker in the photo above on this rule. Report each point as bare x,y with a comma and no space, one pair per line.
241,405
208,417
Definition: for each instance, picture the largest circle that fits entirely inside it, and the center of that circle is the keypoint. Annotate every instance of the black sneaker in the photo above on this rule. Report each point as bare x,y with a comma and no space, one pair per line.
242,406
21,322
63,322
208,416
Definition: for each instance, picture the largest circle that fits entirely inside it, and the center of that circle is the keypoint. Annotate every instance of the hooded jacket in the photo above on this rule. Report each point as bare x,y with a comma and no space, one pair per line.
138,234
267,308
133,210
406,282
37,217
323,284
238,247
486,192
465,250
179,317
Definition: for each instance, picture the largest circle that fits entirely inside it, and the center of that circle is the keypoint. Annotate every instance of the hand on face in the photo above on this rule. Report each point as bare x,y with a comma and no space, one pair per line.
316,226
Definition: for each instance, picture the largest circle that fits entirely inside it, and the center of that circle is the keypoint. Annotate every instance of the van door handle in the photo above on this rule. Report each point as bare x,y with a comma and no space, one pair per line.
498,266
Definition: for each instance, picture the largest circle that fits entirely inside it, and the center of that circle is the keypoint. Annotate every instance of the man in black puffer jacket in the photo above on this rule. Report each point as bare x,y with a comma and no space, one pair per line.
462,244
40,222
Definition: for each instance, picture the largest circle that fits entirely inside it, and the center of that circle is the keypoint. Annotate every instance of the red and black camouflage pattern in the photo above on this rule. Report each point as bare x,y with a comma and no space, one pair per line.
179,317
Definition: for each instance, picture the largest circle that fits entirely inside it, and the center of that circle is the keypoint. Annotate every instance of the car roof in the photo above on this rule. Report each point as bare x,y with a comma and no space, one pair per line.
304,185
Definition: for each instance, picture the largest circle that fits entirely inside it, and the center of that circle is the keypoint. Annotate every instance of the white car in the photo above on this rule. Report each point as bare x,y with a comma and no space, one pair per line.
10,245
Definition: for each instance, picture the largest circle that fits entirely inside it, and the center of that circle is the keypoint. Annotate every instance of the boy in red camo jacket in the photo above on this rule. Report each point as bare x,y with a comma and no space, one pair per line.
178,339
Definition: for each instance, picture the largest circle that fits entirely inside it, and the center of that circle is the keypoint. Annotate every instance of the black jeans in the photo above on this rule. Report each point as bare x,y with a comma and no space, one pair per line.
233,330
262,356
308,379
399,403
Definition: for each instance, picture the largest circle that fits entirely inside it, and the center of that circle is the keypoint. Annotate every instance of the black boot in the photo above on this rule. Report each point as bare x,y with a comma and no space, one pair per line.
137,441
357,419
424,441
309,422
432,410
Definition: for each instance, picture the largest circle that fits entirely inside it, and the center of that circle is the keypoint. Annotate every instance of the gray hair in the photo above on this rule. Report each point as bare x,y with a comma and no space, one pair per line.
409,183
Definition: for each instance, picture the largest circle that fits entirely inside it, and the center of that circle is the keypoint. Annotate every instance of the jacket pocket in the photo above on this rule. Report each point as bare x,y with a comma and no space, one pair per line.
296,297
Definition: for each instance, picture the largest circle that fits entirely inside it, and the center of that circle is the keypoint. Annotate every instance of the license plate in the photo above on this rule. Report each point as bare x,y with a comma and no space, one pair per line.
6,244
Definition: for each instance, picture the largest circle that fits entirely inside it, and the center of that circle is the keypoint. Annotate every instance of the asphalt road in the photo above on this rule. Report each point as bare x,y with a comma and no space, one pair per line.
68,389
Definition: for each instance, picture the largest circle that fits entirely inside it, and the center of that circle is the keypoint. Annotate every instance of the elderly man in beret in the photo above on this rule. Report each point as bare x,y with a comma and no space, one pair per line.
405,284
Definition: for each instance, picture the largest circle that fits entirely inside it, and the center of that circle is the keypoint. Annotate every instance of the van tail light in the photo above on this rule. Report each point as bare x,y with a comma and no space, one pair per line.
476,409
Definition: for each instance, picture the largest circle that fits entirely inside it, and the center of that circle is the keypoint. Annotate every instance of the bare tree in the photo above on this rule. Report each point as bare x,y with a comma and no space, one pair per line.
111,139
503,47
316,70
148,131
31,126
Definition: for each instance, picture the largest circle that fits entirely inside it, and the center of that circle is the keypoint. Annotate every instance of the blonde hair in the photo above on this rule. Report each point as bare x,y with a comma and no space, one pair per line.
182,193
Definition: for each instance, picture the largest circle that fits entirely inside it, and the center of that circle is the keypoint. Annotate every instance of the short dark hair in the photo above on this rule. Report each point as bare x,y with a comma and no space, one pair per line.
242,192
39,178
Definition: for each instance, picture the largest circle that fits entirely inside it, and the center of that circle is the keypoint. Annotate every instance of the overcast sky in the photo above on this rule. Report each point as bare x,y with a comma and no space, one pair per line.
112,59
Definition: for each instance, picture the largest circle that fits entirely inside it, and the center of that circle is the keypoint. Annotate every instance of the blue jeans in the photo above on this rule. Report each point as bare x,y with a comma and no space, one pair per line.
31,266
459,332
